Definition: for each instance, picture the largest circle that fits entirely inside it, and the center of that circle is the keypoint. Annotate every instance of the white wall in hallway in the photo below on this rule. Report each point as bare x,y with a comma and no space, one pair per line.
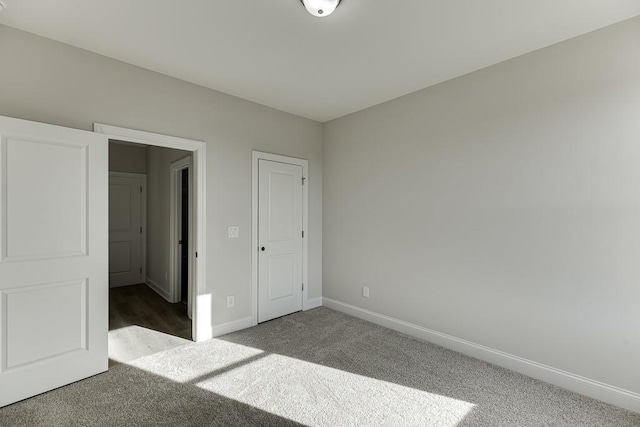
127,158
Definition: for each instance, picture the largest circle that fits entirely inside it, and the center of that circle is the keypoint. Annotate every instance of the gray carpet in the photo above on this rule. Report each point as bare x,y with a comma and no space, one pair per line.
320,367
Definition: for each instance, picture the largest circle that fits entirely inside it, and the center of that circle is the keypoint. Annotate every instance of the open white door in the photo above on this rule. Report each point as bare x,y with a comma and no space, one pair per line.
53,257
280,239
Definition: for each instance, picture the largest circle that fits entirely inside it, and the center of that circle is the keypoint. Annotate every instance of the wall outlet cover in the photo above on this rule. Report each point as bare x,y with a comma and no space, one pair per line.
365,291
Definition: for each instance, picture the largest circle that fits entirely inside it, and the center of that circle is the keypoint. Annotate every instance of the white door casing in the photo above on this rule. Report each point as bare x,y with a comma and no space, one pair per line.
202,300
53,257
280,239
127,200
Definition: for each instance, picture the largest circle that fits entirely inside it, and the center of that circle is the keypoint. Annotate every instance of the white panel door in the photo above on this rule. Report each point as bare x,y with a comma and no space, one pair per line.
53,257
125,229
279,239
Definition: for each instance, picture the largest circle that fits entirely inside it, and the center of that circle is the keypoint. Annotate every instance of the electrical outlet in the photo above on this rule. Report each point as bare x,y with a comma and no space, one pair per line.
365,291
231,301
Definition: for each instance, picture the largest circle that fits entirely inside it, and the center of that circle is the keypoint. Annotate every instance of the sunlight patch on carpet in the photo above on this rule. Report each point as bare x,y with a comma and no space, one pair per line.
309,393
305,392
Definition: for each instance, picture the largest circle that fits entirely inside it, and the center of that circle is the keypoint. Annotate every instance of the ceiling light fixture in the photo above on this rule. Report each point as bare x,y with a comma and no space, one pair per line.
320,8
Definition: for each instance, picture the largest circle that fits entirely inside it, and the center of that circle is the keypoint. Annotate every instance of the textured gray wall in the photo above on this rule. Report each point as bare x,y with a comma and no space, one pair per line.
46,81
502,207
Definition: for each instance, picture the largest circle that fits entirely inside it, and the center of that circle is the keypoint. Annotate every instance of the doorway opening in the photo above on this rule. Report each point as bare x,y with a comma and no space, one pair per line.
181,230
150,309
184,241
160,283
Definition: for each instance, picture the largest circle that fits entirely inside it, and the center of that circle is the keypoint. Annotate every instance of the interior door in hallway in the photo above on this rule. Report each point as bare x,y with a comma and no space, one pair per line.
280,239
53,257
126,212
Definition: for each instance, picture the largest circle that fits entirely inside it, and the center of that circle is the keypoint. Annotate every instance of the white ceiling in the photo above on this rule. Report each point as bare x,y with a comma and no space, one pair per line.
274,53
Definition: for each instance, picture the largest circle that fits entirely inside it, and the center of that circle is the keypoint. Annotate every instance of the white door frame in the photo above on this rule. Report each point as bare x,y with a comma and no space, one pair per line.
258,155
175,222
201,324
143,214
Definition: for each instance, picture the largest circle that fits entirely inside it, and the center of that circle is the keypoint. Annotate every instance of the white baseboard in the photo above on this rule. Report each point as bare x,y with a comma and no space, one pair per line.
153,285
227,328
313,303
112,286
595,389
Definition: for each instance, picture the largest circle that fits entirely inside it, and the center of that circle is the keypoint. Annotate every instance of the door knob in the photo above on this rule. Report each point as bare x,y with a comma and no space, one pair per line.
262,249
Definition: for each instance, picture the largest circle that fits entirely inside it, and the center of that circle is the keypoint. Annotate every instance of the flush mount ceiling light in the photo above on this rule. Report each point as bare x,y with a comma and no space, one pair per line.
320,8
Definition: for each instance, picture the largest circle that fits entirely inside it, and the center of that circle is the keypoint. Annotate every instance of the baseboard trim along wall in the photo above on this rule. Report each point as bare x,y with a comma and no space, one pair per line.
233,326
595,389
312,303
153,285
117,286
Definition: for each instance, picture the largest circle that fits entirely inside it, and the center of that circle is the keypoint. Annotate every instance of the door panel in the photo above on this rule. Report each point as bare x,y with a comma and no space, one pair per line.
119,257
53,263
282,209
280,234
54,330
125,229
43,221
281,275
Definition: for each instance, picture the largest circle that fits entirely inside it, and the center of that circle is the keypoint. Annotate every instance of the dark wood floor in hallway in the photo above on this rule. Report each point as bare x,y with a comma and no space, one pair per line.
141,322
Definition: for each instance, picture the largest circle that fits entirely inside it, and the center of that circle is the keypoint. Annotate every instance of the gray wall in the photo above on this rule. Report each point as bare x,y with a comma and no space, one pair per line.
46,81
127,158
159,213
502,207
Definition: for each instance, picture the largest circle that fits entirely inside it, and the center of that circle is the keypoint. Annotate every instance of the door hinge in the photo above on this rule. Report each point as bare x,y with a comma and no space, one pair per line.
303,234
140,270
141,188
140,230
303,178
303,286
196,254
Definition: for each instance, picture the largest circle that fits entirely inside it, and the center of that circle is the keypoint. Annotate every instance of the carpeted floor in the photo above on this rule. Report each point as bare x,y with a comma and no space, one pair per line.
319,367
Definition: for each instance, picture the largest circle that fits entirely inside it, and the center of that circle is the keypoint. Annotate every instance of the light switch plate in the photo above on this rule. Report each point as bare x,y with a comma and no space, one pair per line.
233,232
